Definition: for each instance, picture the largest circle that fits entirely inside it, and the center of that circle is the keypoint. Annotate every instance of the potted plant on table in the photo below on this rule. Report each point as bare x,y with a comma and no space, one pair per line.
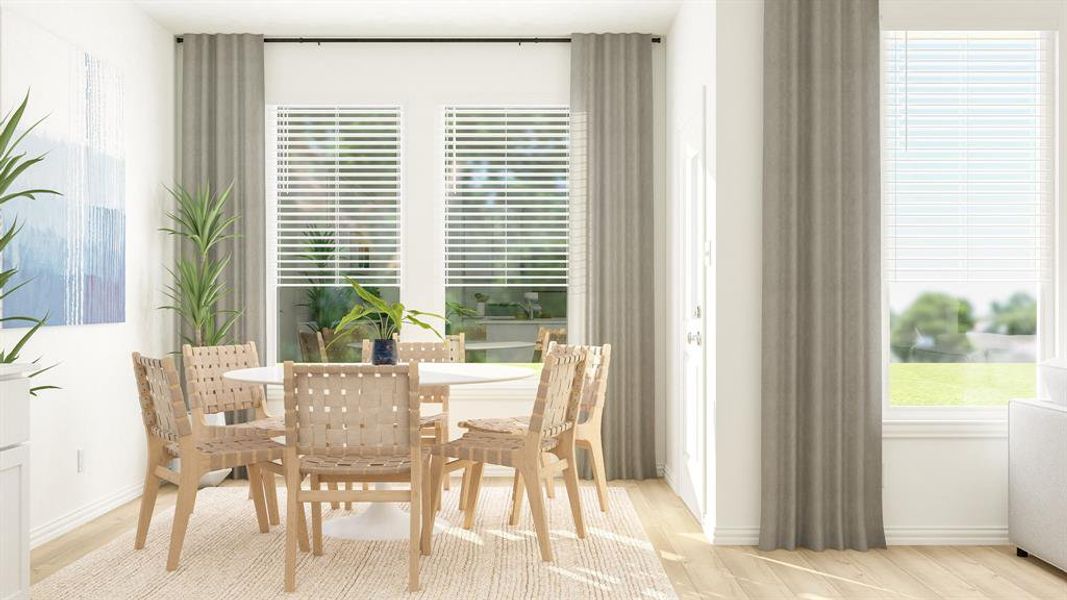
383,319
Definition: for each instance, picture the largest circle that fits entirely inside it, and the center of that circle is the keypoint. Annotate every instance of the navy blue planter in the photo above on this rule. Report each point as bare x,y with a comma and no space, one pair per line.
384,352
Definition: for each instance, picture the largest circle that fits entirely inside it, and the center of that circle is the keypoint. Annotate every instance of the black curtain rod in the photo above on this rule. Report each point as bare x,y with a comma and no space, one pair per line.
409,40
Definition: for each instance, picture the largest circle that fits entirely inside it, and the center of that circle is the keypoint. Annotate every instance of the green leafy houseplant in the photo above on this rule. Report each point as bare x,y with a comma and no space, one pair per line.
457,311
326,304
197,289
382,318
12,165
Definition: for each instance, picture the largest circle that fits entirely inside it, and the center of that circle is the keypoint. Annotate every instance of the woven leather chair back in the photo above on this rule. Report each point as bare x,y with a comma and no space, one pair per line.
416,352
559,392
160,393
351,409
208,391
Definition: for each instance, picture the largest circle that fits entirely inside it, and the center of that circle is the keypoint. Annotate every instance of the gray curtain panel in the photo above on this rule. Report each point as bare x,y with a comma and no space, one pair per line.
822,415
611,291
222,142
223,126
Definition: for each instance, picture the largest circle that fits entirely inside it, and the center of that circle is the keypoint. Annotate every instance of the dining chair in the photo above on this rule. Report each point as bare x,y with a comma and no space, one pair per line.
587,429
170,435
457,346
545,336
210,393
353,422
312,347
434,428
551,429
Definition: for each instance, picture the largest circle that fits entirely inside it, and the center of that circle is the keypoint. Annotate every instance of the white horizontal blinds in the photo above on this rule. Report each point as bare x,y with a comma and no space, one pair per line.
338,195
506,196
969,155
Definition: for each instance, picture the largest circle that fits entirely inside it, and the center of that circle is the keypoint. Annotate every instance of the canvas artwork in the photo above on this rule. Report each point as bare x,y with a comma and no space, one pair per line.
73,246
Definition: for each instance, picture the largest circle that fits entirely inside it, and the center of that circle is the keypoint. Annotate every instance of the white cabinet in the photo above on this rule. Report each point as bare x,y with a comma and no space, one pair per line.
1038,505
14,484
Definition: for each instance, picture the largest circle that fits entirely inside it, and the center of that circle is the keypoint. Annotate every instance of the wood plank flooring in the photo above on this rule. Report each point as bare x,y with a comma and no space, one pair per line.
700,570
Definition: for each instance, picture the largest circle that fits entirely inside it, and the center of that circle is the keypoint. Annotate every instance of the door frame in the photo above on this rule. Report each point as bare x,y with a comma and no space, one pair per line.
699,501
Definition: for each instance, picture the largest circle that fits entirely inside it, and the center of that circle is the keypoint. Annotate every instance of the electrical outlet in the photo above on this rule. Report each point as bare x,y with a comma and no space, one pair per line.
81,460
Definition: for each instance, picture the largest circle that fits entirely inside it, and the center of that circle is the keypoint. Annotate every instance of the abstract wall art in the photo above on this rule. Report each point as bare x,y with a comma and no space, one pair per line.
73,246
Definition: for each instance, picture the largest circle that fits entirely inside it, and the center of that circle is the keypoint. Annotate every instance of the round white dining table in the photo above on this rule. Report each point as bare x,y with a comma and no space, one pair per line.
384,520
501,345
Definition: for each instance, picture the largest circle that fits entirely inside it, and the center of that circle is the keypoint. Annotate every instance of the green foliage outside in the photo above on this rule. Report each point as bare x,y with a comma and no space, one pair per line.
1017,316
933,329
960,384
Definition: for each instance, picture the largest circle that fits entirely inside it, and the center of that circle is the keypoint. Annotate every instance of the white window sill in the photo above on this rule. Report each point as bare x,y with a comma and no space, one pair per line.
945,422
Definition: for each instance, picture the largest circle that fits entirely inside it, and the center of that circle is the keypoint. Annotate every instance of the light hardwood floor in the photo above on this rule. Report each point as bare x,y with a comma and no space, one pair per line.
700,570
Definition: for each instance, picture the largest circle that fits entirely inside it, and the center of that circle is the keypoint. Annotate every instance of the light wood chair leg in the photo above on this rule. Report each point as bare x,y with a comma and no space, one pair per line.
316,520
183,509
437,471
427,509
472,494
550,477
441,437
332,486
596,458
255,487
148,495
415,532
517,492
302,529
464,487
270,493
570,479
293,509
532,480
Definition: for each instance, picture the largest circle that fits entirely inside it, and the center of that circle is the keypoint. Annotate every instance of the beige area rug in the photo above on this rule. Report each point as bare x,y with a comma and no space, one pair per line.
225,557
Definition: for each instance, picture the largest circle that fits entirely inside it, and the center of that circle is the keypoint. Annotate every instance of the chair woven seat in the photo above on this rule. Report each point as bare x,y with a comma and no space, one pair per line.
356,465
430,420
269,427
226,451
494,448
511,425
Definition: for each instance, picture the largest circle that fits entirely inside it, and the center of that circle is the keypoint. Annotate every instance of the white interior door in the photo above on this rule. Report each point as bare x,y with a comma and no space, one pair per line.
693,311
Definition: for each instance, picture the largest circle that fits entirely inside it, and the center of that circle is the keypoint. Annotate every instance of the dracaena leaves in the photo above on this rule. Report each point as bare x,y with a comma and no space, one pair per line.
197,286
13,164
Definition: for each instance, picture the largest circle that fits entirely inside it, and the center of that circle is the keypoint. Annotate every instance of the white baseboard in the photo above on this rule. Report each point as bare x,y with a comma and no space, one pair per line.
80,516
946,536
895,536
735,536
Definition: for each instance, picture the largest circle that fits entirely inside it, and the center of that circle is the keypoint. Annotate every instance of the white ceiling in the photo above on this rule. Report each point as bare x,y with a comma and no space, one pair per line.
414,18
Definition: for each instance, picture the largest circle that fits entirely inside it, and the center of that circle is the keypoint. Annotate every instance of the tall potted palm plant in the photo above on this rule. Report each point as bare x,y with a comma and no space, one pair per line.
197,288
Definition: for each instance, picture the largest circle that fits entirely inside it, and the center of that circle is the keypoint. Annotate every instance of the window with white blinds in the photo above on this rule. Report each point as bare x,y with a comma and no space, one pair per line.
968,155
506,196
337,177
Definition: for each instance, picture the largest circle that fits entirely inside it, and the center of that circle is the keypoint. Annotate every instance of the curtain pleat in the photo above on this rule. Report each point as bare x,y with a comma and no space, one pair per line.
611,288
223,126
223,123
822,442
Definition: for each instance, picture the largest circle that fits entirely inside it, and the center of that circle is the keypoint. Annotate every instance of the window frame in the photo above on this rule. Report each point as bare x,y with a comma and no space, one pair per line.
270,159
443,136
978,421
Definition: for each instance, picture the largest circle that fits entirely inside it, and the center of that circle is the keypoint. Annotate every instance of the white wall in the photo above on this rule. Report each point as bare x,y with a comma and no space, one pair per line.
738,250
423,78
97,409
945,482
